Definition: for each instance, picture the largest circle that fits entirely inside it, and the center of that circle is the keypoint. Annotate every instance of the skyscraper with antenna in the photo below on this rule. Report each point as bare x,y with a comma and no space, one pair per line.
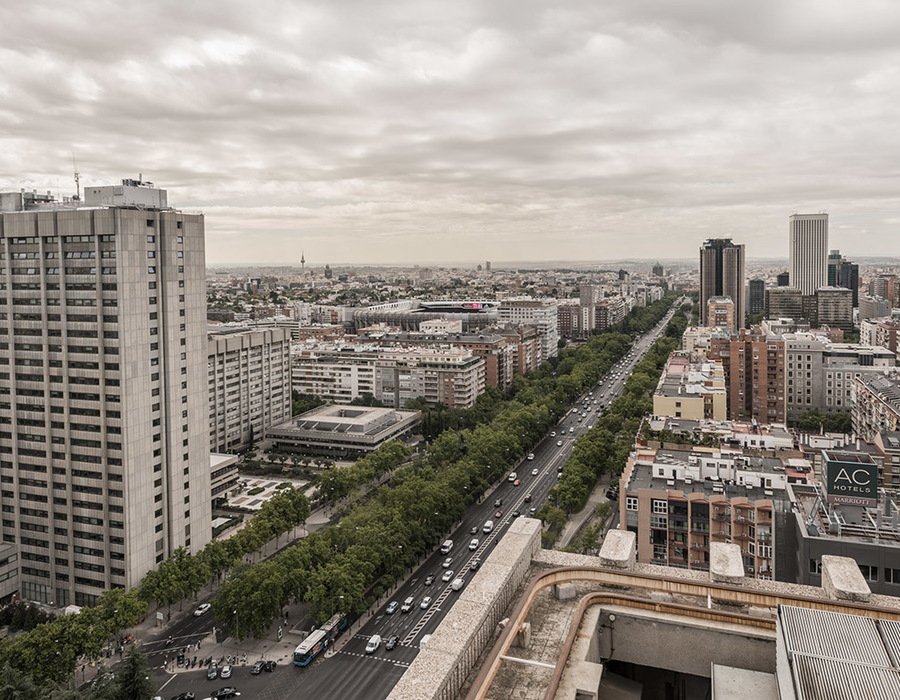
302,262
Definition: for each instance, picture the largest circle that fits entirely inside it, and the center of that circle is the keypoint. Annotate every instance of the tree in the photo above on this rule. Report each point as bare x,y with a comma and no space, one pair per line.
133,678
15,685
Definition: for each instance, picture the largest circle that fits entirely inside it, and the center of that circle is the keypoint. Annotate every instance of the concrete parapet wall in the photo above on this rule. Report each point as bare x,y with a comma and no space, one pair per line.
441,668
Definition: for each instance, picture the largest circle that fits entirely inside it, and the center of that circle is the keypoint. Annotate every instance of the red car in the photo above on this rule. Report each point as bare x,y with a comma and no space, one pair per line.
498,514
516,482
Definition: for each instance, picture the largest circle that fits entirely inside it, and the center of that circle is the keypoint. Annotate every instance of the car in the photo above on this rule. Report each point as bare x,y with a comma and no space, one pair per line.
559,443
448,574
458,583
498,502
373,644
516,482
392,643
257,668
447,562
527,498
225,672
571,430
269,665
474,564
407,605
223,693
429,580
212,673
498,514
612,493
184,696
530,455
391,607
473,545
534,472
553,433
426,601
532,511
590,427
202,609
473,530
512,476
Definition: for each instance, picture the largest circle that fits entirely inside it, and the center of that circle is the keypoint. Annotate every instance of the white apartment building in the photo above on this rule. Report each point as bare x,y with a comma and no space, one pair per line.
542,314
249,375
820,374
104,454
394,376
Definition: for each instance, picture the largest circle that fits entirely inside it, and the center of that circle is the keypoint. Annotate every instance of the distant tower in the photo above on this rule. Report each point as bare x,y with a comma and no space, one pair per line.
808,237
487,266
722,274
302,262
328,272
658,270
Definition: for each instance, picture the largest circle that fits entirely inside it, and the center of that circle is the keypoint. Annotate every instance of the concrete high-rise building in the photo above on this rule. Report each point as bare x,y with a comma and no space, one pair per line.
754,366
886,286
756,297
106,464
809,252
538,312
249,384
722,274
873,307
783,279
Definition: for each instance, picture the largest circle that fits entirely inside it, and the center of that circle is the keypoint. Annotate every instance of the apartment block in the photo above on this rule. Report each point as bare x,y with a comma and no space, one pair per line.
690,390
395,376
105,456
754,366
820,373
537,312
880,332
678,502
249,377
720,313
875,404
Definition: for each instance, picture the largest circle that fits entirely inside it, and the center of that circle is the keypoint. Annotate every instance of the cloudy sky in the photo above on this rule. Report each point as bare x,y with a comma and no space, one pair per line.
466,130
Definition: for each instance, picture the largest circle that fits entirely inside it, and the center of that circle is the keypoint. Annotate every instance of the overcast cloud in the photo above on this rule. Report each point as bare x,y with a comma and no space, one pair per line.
421,131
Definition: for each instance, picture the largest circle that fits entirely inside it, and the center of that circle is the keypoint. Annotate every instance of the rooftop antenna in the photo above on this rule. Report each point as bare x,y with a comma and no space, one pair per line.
77,179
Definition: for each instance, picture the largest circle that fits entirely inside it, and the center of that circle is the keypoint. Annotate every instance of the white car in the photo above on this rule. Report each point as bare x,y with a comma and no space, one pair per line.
473,545
202,609
225,672
553,433
426,601
448,574
534,472
447,562
559,443
373,644
530,455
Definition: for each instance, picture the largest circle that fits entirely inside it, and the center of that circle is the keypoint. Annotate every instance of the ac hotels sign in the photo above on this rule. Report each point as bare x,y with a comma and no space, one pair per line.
851,481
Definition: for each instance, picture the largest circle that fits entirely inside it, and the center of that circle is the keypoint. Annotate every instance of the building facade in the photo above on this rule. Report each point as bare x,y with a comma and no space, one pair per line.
720,313
755,373
756,297
834,307
249,375
536,312
105,463
843,273
808,237
784,302
875,404
722,274
694,391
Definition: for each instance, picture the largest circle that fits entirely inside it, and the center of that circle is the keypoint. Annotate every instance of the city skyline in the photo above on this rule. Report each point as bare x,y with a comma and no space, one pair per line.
419,132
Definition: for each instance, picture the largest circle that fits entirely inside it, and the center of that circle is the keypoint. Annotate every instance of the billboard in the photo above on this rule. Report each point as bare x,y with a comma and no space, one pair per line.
852,481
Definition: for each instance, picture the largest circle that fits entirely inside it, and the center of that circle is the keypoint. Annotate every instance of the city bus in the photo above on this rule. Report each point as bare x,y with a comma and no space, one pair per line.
319,640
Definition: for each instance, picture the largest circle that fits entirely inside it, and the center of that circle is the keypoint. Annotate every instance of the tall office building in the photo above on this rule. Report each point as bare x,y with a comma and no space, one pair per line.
105,451
843,273
783,279
809,252
722,275
756,297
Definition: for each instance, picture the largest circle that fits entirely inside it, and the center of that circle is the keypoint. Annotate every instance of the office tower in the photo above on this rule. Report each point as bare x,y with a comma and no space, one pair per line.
487,266
106,453
783,279
873,307
658,270
843,273
784,302
809,252
834,307
756,297
720,313
722,274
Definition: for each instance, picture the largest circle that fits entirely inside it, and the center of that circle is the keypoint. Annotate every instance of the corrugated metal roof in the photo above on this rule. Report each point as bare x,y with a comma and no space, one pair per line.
834,656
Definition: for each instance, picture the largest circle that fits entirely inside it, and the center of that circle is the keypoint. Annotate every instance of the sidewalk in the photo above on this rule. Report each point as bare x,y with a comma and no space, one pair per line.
577,521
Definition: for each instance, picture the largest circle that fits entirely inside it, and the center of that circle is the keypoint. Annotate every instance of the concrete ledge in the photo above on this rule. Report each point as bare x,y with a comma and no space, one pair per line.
842,579
618,550
725,563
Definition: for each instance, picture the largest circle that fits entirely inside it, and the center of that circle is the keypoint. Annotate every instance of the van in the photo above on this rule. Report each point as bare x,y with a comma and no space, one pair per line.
488,527
407,605
446,547
373,644
512,476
